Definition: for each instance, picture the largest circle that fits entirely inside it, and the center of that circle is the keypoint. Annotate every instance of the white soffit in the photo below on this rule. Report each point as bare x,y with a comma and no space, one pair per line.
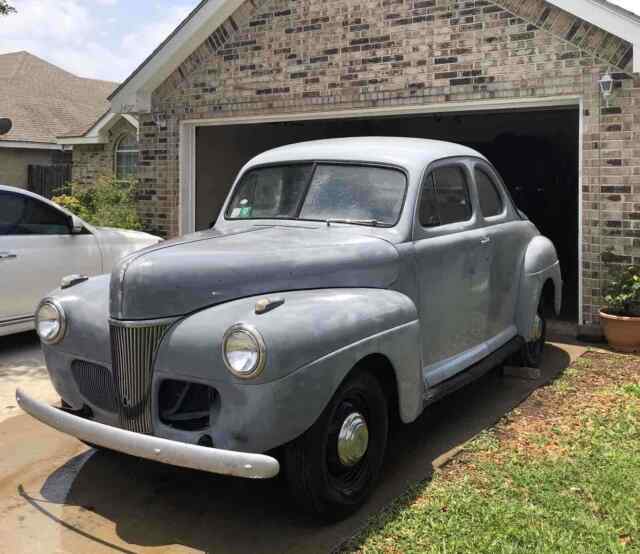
614,20
29,145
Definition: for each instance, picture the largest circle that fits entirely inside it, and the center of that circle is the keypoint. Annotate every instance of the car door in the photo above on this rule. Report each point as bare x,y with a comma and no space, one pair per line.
453,271
37,249
508,236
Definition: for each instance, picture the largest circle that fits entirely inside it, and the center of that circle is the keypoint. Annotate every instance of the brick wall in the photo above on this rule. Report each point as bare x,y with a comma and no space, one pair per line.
284,56
94,160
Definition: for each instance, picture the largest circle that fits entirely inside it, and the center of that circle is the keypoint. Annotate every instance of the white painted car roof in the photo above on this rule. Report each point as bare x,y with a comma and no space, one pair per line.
410,153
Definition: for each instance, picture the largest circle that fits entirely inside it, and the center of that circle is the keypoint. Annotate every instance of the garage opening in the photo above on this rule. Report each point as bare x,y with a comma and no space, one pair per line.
535,151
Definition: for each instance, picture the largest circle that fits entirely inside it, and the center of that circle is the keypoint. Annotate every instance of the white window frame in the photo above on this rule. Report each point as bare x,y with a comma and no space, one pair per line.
117,150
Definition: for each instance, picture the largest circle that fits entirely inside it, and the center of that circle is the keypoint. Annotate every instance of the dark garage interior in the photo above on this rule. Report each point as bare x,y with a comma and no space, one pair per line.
535,151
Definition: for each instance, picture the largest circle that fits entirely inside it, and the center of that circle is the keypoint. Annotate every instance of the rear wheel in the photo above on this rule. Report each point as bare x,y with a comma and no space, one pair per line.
531,352
333,467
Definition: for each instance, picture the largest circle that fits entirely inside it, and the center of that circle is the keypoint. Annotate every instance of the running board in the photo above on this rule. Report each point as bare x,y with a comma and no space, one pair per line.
484,366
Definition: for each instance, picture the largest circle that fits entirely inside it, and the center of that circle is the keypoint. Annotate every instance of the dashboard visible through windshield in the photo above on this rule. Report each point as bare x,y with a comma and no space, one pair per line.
362,194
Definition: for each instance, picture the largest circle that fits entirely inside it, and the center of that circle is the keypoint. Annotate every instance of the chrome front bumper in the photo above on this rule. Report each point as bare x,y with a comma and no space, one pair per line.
213,460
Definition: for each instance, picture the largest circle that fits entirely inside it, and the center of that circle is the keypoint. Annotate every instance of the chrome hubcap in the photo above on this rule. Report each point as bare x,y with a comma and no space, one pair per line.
353,440
537,328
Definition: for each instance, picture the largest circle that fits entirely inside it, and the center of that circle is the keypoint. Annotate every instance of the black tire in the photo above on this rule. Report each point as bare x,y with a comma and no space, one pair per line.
531,353
319,481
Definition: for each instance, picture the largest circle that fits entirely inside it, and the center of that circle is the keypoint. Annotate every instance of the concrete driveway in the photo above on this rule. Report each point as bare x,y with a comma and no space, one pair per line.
56,495
22,364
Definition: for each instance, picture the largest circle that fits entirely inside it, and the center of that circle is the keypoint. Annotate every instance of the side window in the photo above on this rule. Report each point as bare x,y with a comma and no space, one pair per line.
452,194
41,219
429,205
12,207
22,215
490,200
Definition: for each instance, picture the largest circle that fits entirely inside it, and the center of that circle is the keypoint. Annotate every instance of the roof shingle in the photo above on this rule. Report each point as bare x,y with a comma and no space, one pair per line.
45,102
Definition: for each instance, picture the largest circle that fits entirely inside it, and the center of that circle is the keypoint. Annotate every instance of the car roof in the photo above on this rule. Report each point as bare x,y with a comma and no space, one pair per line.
7,188
410,153
25,192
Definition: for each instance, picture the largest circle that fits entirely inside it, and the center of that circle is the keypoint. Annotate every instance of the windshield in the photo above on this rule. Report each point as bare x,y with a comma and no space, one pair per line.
361,194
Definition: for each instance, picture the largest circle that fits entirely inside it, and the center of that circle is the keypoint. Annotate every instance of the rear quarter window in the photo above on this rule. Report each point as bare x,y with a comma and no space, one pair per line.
452,194
491,203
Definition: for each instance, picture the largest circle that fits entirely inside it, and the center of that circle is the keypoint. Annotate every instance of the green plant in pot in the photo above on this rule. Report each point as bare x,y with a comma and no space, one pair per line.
621,315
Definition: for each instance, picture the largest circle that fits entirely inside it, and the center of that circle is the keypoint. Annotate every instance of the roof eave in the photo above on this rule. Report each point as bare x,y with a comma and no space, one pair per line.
97,134
29,145
80,140
134,95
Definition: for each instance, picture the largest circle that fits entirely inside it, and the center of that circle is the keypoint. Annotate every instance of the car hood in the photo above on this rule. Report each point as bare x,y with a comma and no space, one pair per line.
178,277
115,244
111,234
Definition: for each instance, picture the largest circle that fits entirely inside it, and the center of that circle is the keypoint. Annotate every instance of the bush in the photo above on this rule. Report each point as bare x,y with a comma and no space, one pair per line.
108,202
622,294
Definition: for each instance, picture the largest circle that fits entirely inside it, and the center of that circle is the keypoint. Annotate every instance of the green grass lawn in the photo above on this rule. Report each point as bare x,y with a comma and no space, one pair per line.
560,474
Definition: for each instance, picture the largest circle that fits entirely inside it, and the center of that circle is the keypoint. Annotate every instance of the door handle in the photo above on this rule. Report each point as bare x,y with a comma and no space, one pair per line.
485,241
7,256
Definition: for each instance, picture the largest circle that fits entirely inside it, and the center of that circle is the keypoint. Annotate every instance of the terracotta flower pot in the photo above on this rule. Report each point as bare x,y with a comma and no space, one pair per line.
623,333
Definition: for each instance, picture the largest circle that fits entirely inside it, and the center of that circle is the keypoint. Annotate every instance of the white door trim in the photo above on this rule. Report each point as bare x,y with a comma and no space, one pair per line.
187,170
580,213
187,162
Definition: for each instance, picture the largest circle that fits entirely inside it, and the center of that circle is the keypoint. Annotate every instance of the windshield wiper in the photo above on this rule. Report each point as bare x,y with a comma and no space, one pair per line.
371,222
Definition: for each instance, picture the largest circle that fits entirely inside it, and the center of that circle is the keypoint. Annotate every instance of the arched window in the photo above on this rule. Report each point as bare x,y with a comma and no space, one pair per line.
126,155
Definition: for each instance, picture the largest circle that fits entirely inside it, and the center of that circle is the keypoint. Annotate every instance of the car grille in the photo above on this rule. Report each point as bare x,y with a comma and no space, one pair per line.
95,384
133,350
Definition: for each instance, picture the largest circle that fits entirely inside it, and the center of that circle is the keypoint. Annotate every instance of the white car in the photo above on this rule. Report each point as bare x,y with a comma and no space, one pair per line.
40,243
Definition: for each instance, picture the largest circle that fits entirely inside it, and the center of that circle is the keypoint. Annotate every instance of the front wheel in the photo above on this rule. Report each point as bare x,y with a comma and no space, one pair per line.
531,352
333,467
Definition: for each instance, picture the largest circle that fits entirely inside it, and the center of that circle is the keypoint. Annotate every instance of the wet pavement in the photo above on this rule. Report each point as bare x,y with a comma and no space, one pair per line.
57,495
22,364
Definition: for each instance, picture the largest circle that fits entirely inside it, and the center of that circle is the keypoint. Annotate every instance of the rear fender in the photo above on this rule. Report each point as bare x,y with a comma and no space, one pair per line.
540,265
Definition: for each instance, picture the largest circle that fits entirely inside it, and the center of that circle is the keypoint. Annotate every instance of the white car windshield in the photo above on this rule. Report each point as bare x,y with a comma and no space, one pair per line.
344,193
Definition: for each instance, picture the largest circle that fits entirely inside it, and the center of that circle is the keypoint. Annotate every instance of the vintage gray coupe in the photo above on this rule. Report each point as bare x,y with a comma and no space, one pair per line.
345,283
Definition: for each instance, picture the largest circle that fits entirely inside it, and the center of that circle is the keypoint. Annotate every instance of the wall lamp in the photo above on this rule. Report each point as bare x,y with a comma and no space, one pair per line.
606,86
159,120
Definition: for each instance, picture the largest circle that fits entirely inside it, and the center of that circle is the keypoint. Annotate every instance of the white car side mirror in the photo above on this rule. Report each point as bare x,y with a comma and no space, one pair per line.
77,226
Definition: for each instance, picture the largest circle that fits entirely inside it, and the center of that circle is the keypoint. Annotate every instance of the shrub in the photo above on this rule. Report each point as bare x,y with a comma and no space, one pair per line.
108,202
622,293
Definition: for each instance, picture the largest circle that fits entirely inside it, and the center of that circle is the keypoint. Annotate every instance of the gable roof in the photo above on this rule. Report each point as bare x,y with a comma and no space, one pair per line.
98,133
44,101
134,94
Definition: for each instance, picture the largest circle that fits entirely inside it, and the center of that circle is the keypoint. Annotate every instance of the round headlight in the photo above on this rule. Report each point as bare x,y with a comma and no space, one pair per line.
50,321
244,351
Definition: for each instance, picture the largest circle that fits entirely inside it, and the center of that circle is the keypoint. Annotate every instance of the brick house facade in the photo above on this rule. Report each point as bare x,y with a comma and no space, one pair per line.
91,161
278,57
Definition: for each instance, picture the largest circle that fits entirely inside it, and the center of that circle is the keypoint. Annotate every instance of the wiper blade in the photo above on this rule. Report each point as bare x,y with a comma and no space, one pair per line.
371,222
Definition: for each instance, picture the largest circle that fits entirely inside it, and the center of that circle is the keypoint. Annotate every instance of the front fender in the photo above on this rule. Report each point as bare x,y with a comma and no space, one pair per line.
308,326
313,341
540,265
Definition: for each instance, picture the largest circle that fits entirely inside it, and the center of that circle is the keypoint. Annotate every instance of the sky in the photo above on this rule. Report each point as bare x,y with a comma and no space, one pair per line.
99,39
102,39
